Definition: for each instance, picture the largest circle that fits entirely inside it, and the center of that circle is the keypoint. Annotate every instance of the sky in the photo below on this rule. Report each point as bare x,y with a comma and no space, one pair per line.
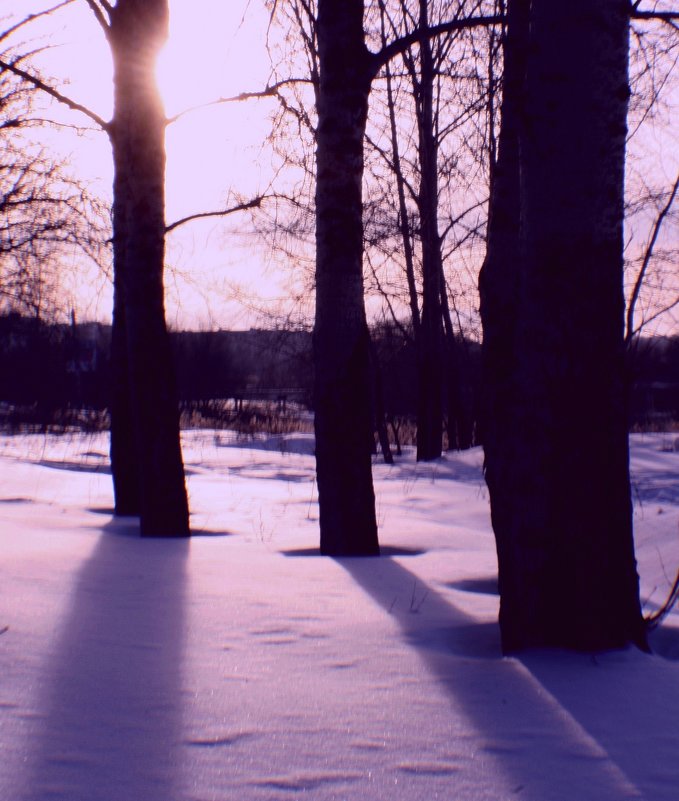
243,665
214,157
222,274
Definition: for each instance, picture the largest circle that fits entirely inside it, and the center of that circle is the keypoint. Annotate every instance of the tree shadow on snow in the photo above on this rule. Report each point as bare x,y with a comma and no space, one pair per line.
76,467
385,550
479,586
559,726
128,525
664,641
628,707
113,689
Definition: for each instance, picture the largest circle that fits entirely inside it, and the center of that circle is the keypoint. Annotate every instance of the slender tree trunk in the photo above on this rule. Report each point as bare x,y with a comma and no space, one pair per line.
138,28
343,421
404,217
552,305
378,405
124,464
430,344
460,394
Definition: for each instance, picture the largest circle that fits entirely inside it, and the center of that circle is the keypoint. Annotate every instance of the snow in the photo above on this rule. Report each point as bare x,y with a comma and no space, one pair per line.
242,665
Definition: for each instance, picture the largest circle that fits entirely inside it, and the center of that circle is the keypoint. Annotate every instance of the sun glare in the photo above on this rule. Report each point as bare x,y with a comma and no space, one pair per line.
215,49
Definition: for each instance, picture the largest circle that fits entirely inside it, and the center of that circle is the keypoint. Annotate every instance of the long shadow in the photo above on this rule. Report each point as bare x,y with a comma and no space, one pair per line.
385,550
75,467
112,695
629,710
534,715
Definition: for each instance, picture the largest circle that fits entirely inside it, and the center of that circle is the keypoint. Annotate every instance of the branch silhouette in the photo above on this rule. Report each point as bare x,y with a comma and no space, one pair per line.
662,214
101,15
255,203
31,18
56,94
398,46
268,91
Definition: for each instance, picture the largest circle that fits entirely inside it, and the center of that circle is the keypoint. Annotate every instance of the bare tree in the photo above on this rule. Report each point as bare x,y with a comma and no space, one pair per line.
651,262
148,473
652,170
433,107
342,388
45,213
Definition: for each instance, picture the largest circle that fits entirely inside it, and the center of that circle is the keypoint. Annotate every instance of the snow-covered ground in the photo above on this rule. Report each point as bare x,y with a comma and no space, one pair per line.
242,665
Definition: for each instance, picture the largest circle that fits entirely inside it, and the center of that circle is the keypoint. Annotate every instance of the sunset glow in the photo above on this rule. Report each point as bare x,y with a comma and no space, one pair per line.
215,50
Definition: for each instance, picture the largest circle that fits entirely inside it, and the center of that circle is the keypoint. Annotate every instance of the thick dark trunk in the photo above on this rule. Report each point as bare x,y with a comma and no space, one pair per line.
343,420
555,425
138,29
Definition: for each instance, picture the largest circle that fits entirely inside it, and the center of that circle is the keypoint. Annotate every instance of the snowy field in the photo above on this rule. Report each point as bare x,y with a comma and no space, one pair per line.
242,665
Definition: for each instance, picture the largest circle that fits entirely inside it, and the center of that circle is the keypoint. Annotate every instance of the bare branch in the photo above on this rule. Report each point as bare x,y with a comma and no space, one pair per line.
670,18
655,316
52,92
654,620
100,16
255,203
268,91
399,46
31,17
647,260
385,296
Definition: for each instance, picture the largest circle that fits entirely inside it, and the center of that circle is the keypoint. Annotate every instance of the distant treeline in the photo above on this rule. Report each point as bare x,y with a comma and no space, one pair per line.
49,367
653,373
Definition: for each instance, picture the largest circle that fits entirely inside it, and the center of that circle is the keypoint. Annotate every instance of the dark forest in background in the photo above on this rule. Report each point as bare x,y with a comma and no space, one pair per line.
59,375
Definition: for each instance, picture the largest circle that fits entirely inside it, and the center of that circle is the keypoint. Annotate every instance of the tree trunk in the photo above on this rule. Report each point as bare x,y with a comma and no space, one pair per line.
138,29
342,387
124,464
379,413
555,432
430,344
459,385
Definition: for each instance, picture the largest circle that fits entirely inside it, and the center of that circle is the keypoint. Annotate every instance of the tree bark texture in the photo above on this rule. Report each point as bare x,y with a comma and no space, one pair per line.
555,427
138,28
342,389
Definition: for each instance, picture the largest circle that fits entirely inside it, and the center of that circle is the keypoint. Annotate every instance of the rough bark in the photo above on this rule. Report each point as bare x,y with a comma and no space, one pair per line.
343,423
552,305
138,28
